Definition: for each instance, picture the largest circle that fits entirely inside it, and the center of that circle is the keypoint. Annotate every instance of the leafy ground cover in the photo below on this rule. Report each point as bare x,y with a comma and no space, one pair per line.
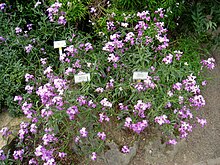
138,79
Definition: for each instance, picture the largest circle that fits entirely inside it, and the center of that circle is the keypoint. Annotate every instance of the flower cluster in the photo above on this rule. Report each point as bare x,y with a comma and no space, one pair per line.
62,112
53,11
136,127
209,63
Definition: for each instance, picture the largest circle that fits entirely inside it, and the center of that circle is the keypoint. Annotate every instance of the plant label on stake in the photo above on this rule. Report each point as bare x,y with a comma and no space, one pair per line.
60,45
140,76
82,77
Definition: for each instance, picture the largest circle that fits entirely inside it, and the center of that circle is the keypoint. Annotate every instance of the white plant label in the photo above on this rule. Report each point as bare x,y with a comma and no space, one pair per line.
82,77
140,75
59,44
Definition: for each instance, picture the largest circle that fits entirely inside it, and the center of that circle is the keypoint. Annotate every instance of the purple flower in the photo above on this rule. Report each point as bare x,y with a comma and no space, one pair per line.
28,48
101,135
83,132
88,46
139,126
62,20
92,10
94,156
48,138
111,26
168,105
39,150
62,154
177,86
161,120
125,149
72,111
172,141
29,89
5,132
184,129
2,39
33,161
103,117
26,109
23,130
77,138
128,122
18,30
69,70
141,107
178,54
28,77
201,121
43,61
81,100
113,58
181,99
46,113
29,26
170,93
104,102
18,154
143,14
2,155
168,59
122,107
197,101
18,98
48,70
204,83
2,6
110,84
33,128
91,104
209,63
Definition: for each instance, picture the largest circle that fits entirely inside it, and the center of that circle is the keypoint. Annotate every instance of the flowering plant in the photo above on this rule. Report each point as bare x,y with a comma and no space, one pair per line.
78,115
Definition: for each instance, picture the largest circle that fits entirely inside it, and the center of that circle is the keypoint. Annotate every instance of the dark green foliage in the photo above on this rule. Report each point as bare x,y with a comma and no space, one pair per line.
14,61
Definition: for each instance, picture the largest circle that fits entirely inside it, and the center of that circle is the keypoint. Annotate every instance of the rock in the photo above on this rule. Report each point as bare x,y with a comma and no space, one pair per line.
13,125
115,157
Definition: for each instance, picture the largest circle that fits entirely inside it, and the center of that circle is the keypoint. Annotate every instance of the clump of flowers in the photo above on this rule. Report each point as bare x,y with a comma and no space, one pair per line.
53,13
76,114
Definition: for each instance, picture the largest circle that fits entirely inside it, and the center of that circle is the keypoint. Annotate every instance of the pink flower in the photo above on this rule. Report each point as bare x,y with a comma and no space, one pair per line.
43,61
104,102
83,132
201,121
99,90
18,30
94,156
62,154
18,98
5,132
125,149
209,63
48,70
161,120
62,20
28,48
103,117
101,135
168,59
204,83
92,10
172,141
28,77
